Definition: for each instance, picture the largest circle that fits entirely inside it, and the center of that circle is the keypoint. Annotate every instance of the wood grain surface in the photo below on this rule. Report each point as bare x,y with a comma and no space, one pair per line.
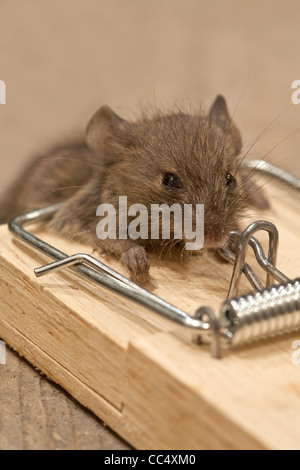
141,373
61,60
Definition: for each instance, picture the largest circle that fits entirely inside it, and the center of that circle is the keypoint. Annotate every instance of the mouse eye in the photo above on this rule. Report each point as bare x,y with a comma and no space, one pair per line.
230,180
171,181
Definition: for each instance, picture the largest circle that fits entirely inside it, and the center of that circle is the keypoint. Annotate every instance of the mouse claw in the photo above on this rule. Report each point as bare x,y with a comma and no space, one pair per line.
137,262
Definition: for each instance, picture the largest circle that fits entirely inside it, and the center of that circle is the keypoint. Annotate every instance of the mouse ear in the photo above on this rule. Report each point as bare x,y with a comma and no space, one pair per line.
105,128
219,112
220,115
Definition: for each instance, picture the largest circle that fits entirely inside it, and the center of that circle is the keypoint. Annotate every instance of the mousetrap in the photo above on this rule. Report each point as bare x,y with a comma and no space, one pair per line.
147,362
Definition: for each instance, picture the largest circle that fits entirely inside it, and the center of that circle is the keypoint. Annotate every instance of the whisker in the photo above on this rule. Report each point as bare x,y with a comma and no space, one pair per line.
261,134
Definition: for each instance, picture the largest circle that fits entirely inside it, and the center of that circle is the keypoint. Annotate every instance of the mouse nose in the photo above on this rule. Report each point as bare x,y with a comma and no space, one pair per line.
213,237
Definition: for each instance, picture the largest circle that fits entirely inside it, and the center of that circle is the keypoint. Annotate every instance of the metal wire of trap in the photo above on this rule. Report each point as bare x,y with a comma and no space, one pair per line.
267,311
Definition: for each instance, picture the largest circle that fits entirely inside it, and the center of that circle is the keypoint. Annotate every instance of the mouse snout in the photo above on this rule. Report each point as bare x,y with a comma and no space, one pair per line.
212,240
214,236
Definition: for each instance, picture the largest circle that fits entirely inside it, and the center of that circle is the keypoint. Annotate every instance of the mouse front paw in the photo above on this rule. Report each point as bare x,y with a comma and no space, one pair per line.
137,262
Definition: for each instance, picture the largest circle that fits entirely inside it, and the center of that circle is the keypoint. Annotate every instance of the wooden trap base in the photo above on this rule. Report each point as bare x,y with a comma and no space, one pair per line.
142,374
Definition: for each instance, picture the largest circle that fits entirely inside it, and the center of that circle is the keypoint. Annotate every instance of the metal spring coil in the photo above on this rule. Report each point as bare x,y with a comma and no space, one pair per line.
258,315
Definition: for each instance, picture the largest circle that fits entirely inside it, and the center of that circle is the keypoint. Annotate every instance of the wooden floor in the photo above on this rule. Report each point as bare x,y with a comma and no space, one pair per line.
126,54
37,414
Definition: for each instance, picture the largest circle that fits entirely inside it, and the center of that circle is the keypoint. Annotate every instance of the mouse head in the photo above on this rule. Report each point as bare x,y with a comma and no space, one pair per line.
177,158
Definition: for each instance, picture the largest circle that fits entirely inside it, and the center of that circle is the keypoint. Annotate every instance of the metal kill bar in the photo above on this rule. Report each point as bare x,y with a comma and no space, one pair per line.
205,321
272,170
104,275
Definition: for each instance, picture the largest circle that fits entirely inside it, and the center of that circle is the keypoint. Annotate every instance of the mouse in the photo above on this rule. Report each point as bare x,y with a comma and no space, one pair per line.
174,157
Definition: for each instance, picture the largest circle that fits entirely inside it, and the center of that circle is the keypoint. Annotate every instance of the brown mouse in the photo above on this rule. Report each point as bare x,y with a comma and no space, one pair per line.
165,158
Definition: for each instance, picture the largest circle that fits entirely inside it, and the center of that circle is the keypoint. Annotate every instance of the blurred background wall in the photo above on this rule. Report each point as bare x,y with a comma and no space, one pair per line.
62,59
